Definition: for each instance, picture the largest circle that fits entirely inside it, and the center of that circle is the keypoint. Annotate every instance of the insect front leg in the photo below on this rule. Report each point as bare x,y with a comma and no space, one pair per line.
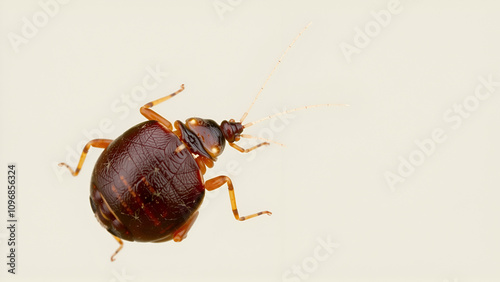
249,149
98,143
152,115
217,182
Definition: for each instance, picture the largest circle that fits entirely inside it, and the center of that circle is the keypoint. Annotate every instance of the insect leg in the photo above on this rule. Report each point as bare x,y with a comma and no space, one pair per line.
98,143
217,182
119,248
181,233
249,149
152,115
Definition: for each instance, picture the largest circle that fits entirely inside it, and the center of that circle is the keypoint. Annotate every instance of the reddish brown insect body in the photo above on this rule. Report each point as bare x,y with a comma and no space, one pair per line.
147,185
151,188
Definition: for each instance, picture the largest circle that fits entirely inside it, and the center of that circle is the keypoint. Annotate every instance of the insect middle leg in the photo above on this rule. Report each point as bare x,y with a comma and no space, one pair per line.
217,182
152,115
98,143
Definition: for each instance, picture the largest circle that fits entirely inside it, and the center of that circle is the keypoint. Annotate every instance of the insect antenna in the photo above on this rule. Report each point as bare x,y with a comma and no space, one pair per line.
276,66
289,111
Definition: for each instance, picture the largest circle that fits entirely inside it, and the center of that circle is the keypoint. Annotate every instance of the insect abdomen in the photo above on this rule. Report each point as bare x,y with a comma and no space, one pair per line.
147,184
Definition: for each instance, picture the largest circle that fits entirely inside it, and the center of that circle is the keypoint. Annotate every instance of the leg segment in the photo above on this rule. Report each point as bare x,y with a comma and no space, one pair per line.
249,149
217,182
119,248
98,143
152,115
181,233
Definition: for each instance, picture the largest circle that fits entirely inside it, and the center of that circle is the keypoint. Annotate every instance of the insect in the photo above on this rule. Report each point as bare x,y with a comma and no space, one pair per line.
147,184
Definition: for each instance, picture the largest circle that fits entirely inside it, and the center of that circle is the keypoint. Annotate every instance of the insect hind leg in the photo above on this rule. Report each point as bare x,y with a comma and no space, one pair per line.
119,248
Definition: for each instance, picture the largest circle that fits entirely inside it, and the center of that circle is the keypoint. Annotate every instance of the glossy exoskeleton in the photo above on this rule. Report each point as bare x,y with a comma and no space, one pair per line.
147,184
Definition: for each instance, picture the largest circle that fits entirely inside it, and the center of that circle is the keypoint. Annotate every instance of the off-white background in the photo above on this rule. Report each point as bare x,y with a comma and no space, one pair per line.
441,224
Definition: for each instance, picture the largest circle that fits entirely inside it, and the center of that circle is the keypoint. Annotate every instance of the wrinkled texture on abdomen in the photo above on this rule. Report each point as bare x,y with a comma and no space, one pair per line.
148,186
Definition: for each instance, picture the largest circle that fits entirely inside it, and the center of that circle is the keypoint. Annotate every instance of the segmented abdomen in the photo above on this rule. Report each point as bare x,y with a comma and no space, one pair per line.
150,183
